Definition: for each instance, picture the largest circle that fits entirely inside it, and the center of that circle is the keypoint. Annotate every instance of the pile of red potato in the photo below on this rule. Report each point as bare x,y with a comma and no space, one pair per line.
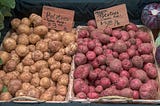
114,62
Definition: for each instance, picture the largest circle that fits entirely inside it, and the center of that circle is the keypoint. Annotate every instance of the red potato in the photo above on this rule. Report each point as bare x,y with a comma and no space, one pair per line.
104,38
97,70
86,40
98,50
135,84
128,44
132,33
148,91
144,36
154,83
110,45
95,63
99,89
147,58
126,92
81,95
138,41
91,28
125,35
113,39
145,48
102,74
115,65
116,33
122,83
131,52
125,73
113,77
92,75
126,64
111,91
108,30
137,61
80,41
92,22
120,46
115,54
152,72
97,42
91,45
140,74
92,89
131,26
123,56
148,66
97,82
135,95
132,41
103,67
105,82
80,86
108,69
82,71
90,55
132,70
83,33
101,59
107,52
80,59
95,34
82,49
109,59
93,95
135,47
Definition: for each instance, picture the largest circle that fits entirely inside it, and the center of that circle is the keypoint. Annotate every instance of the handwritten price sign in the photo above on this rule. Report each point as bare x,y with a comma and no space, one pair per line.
57,18
112,17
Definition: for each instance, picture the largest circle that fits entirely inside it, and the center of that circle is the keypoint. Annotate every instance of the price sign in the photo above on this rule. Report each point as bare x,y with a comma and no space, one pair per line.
112,17
57,18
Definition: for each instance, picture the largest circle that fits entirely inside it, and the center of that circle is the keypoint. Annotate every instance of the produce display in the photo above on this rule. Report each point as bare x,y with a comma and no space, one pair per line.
113,62
36,61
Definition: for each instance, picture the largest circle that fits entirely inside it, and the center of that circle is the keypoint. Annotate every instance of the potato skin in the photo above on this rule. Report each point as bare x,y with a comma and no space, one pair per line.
41,63
55,46
5,96
22,28
34,92
35,81
65,67
44,72
10,66
68,38
42,46
41,30
61,90
14,86
15,23
9,44
59,98
56,74
21,92
66,59
31,48
45,82
26,86
26,76
26,21
2,74
63,79
23,39
19,67
22,50
37,55
46,55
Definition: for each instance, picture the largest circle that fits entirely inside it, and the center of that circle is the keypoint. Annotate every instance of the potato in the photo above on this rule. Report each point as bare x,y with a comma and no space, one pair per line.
10,66
1,85
55,46
53,83
22,28
34,92
9,76
47,40
35,19
31,48
23,39
14,85
33,69
51,61
15,73
14,56
56,74
35,81
41,89
26,21
44,72
21,92
66,59
19,67
59,98
9,44
2,74
46,55
26,77
37,55
15,23
14,36
56,65
34,38
27,60
63,79
42,46
68,38
45,82
61,90
5,96
58,56
4,56
22,50
41,63
40,30
65,67
26,69
26,86
54,36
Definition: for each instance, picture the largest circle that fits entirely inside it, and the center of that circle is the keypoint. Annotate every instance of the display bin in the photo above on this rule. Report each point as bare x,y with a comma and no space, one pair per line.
119,99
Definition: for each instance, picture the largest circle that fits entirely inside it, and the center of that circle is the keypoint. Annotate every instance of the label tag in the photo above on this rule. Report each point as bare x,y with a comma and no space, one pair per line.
112,17
57,18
